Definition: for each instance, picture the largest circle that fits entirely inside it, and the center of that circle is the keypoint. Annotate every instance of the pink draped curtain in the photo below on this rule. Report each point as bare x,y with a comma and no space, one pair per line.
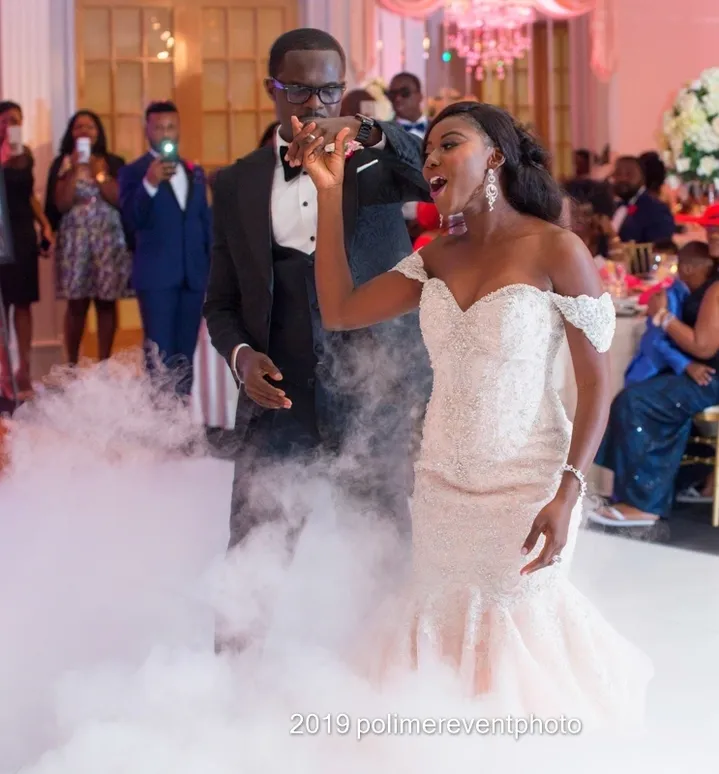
564,9
602,22
601,26
415,9
420,9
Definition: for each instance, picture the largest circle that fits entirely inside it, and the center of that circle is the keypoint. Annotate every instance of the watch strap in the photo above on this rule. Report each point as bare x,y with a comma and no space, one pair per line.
366,127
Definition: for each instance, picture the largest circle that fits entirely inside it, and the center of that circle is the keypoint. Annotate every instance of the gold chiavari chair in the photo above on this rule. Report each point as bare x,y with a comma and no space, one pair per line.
640,257
707,423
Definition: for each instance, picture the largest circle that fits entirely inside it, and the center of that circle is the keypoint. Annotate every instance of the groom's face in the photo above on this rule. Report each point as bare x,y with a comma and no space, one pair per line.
289,87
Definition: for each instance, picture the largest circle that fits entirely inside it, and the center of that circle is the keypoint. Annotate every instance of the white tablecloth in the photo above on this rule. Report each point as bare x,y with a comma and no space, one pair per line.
214,393
626,339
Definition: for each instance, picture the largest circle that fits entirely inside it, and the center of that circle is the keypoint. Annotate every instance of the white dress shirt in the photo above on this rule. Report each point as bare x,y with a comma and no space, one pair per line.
179,182
623,210
293,213
293,207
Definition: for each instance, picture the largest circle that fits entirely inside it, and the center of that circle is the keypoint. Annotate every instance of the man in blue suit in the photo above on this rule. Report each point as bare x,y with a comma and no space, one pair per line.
640,216
165,208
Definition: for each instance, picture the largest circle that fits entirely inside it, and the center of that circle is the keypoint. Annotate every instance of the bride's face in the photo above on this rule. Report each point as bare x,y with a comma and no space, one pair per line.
456,164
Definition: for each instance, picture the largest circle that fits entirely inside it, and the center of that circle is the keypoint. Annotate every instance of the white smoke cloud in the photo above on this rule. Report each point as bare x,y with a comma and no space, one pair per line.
113,576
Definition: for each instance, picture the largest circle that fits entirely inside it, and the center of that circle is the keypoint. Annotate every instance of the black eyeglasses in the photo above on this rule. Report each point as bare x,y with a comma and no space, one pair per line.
298,94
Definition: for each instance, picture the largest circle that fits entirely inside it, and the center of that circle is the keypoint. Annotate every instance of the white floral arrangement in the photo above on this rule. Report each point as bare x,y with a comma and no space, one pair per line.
383,107
691,131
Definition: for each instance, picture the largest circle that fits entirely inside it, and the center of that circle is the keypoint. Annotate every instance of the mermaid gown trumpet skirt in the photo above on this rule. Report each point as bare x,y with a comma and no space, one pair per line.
495,440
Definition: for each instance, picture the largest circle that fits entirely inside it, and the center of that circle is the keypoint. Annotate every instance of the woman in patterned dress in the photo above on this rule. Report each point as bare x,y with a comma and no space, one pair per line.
93,263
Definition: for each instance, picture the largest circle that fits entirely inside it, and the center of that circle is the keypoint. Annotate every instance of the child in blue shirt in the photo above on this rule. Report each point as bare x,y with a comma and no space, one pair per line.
657,352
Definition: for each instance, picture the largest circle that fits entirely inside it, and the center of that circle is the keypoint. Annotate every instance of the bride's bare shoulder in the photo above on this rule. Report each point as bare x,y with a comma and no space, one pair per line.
568,261
432,253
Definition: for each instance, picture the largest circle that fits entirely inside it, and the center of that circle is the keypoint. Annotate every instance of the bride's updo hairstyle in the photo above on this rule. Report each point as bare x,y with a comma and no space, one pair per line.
525,178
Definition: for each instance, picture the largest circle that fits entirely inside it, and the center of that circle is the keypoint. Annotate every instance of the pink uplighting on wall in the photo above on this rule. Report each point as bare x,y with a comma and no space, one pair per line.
660,45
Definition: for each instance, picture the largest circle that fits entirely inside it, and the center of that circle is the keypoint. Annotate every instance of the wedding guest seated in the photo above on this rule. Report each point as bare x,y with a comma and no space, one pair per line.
583,189
650,421
655,176
640,216
657,352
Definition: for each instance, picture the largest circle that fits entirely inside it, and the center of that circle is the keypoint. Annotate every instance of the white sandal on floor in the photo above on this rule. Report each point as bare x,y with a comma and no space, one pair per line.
618,519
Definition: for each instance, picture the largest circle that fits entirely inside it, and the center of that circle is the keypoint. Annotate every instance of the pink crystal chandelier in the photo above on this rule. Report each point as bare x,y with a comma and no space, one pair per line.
489,34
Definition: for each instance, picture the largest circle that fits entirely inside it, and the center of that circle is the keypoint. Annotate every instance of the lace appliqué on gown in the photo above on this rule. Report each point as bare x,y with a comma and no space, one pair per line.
412,267
595,317
495,439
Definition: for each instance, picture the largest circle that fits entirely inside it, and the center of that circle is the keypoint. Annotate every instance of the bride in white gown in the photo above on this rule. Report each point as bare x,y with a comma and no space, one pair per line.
500,477
88,589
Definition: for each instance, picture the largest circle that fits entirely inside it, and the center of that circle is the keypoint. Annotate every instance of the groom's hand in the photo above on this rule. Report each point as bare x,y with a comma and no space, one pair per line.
254,367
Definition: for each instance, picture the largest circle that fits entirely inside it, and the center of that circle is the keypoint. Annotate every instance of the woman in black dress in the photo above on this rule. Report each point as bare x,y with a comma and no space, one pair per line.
19,280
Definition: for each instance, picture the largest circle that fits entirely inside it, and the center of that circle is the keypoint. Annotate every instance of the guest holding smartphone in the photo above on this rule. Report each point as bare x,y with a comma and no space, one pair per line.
165,206
19,281
93,263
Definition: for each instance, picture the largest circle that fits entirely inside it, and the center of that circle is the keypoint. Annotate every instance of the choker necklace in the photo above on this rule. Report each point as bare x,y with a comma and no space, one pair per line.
456,224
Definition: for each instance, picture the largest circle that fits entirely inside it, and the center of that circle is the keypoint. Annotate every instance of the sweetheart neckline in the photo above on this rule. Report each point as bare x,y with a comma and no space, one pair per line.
487,296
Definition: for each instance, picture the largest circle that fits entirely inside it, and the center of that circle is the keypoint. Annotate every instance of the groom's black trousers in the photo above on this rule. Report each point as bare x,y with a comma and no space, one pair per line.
375,471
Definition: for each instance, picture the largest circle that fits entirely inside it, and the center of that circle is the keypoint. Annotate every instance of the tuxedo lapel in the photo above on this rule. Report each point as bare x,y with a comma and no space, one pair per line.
254,202
350,198
190,185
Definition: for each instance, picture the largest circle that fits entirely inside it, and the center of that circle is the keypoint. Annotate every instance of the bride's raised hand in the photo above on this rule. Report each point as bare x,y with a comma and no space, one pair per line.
326,169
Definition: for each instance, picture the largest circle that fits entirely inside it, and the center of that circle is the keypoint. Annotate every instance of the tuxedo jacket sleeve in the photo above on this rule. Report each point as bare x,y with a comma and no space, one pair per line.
402,158
223,301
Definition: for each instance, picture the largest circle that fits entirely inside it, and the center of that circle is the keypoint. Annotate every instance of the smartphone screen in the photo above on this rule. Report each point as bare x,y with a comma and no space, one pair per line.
14,136
168,149
82,145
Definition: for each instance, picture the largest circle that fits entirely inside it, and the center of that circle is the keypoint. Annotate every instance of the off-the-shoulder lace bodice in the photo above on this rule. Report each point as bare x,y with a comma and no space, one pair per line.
595,317
493,365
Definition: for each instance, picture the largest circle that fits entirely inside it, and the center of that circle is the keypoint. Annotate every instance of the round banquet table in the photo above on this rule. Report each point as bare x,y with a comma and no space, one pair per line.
626,339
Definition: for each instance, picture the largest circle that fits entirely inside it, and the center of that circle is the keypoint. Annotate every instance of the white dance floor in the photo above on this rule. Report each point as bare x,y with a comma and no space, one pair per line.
83,584
666,600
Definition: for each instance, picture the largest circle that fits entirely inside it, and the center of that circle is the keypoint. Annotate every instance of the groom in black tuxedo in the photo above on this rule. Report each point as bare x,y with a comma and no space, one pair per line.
305,391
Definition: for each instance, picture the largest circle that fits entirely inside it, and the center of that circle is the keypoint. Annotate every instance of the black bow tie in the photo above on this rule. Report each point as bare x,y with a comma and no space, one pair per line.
290,172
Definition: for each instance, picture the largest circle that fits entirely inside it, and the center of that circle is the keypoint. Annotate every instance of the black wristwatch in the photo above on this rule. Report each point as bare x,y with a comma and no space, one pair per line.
366,127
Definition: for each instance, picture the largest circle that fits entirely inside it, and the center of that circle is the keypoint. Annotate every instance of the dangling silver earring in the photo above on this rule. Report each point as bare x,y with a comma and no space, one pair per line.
491,191
441,222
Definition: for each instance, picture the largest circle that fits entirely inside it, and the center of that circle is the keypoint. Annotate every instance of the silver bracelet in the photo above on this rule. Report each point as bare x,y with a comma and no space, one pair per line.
579,476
